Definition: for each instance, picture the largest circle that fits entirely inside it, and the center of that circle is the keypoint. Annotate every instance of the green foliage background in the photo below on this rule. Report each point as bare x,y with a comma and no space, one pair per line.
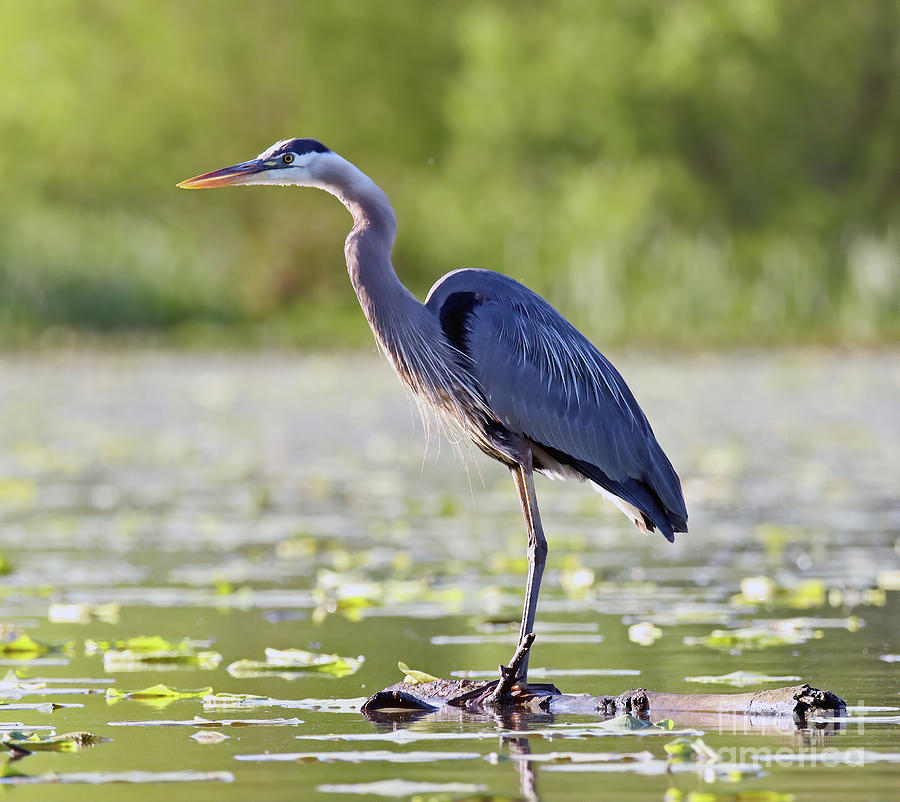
682,172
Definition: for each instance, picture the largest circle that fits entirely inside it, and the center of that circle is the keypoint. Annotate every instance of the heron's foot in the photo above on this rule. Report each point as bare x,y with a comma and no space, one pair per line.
515,673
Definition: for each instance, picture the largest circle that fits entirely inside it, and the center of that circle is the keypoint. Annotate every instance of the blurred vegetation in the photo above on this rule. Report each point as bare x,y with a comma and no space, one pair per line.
679,172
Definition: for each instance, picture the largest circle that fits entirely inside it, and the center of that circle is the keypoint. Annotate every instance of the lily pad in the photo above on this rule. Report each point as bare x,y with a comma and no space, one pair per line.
158,691
739,679
20,645
128,660
296,661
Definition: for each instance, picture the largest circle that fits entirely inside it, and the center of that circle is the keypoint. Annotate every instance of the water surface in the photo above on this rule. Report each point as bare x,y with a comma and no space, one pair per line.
283,501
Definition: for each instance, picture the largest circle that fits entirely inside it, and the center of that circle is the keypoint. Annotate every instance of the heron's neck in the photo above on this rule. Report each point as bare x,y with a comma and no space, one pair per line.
408,332
388,306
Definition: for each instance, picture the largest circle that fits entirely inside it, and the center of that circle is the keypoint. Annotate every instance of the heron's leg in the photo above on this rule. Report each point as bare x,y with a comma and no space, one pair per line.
537,551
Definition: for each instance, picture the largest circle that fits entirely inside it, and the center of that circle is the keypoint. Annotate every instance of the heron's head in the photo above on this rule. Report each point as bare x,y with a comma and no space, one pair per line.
297,162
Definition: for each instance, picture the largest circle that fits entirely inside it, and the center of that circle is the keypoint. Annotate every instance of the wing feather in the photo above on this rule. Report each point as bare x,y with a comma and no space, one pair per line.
544,380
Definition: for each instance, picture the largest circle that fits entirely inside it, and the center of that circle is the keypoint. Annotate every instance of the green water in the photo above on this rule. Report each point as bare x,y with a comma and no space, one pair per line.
283,501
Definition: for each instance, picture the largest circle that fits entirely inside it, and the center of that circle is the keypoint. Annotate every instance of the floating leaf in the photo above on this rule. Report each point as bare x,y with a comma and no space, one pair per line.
128,660
20,741
158,691
680,749
741,678
762,589
290,661
144,643
210,737
21,644
12,687
105,777
753,637
623,722
414,677
41,707
235,700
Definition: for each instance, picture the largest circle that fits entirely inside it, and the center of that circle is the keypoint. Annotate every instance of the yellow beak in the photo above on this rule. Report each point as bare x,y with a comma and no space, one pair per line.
227,176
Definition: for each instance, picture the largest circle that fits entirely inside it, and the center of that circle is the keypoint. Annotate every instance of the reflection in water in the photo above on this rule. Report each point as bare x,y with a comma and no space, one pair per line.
527,770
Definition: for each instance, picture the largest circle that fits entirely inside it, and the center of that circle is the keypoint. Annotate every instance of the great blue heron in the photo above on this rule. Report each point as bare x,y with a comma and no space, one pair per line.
491,356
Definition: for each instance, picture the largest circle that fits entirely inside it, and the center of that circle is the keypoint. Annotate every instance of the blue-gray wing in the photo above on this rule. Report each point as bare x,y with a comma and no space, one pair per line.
544,380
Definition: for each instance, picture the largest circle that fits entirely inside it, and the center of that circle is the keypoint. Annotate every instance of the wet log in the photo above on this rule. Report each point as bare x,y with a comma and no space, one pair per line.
802,703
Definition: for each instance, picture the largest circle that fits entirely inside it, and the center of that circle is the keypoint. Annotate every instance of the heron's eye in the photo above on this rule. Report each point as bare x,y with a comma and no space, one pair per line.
287,158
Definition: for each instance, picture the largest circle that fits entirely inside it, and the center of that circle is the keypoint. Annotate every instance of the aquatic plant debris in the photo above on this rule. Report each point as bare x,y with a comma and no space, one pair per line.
13,687
413,677
25,742
208,737
299,661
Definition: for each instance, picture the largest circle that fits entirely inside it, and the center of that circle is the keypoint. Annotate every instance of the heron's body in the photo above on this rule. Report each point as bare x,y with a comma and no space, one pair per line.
491,356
